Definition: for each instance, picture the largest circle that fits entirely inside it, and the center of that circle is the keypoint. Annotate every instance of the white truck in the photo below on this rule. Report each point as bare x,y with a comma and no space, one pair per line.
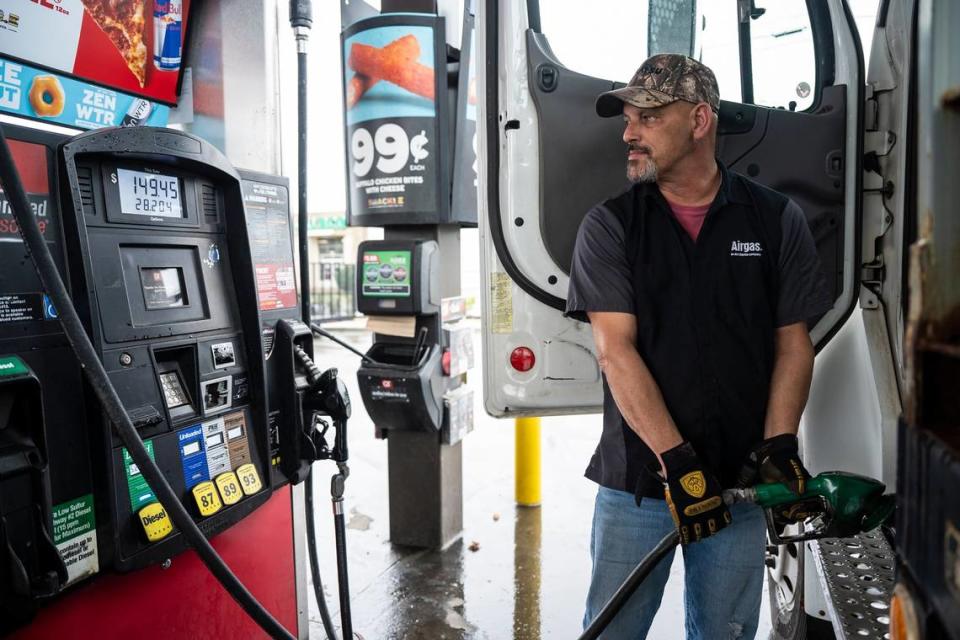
867,148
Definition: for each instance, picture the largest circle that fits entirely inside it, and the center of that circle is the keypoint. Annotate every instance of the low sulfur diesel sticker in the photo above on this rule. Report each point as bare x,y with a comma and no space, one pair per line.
75,535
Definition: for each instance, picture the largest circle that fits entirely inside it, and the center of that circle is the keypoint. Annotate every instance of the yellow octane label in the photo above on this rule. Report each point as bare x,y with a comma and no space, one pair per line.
697,508
155,521
249,479
229,488
205,495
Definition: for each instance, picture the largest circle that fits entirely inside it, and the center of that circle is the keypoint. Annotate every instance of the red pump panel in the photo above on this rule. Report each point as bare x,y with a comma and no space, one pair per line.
186,601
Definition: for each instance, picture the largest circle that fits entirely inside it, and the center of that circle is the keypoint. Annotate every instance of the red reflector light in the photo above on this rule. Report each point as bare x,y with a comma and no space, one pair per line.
386,384
522,359
445,362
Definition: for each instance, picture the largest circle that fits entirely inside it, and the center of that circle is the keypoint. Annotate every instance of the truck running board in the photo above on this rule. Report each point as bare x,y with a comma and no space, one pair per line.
859,575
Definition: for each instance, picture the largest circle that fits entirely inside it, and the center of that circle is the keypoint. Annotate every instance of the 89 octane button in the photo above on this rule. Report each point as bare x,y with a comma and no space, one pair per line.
155,521
229,487
249,479
208,502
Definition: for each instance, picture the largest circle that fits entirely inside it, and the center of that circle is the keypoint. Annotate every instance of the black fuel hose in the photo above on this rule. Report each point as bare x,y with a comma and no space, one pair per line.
110,401
340,531
326,334
314,563
636,577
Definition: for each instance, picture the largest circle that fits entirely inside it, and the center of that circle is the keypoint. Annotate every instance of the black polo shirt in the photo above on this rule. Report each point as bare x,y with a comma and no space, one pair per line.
707,312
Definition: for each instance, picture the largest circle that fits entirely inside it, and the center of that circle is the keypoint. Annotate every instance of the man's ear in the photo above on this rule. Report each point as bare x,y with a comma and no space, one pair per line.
702,117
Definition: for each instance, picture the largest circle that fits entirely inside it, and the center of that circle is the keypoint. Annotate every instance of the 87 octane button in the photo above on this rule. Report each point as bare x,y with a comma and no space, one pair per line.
205,495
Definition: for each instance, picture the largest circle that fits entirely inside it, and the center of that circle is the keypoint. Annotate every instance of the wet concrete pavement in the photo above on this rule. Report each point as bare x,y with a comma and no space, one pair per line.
515,573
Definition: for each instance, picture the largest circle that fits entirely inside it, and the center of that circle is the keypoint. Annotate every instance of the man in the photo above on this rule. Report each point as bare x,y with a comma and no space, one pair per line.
698,284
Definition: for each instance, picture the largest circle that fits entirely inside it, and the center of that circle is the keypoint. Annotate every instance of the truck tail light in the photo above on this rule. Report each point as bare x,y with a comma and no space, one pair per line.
445,362
522,359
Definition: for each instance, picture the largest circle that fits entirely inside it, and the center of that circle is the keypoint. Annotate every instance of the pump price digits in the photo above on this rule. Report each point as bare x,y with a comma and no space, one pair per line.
155,195
145,193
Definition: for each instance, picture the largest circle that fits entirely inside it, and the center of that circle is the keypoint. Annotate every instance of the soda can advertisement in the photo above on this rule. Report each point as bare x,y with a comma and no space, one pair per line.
133,46
167,37
137,114
395,106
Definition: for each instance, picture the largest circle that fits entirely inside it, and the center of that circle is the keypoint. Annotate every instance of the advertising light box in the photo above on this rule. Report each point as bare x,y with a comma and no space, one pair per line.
464,207
133,46
395,108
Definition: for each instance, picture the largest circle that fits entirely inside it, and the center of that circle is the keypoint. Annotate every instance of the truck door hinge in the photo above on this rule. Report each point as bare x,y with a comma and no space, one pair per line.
871,109
872,276
879,142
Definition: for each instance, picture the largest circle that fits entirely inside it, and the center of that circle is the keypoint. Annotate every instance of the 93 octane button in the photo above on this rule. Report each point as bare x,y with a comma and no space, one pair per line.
155,521
229,487
249,479
205,495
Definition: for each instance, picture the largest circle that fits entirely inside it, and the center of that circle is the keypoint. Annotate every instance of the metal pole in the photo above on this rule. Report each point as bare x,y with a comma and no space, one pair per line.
527,462
301,18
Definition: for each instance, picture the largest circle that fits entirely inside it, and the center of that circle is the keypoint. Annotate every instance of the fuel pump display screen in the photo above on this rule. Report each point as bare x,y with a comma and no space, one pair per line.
149,194
386,274
163,287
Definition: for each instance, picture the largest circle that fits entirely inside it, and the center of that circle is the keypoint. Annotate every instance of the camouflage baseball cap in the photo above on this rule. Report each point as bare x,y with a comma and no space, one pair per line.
661,80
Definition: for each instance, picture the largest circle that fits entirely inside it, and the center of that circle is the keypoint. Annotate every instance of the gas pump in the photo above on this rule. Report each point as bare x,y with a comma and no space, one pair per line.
158,248
180,272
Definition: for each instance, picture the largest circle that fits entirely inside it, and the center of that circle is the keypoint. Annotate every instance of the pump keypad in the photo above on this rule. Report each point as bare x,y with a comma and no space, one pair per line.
207,499
173,392
249,479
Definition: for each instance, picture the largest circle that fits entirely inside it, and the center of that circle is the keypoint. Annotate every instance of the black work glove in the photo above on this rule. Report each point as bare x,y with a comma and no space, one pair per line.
693,495
775,459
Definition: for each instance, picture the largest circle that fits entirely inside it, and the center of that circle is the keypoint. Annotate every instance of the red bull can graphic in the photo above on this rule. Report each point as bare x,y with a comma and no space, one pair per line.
167,25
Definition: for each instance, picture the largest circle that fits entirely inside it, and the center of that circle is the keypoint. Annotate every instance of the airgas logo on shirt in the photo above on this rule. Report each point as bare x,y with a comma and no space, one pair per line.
745,249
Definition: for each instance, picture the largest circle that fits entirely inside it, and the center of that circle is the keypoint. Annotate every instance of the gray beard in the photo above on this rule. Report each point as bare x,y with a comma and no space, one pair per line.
646,175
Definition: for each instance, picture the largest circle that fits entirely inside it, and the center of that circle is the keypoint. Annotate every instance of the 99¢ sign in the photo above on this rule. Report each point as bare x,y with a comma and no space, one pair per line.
389,148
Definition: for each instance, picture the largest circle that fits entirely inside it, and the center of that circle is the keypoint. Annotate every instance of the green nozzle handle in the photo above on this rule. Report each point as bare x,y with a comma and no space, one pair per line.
855,502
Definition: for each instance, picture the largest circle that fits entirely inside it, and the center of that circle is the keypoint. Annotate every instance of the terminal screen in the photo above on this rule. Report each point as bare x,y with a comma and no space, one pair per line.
386,274
149,194
163,287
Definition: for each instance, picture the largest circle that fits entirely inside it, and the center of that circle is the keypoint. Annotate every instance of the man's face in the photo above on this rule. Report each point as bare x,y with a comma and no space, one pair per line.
656,138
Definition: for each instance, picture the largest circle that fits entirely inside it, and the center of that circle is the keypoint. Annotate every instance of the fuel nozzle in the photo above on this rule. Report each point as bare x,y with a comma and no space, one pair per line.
327,397
836,504
336,398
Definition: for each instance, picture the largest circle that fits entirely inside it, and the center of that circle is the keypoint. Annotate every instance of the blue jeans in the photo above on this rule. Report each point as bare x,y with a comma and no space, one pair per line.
723,574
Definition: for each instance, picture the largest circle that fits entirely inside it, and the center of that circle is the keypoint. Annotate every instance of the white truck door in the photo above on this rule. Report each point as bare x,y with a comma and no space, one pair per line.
791,83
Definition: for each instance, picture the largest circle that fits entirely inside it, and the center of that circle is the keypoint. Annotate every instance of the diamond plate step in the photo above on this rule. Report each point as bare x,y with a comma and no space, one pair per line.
859,575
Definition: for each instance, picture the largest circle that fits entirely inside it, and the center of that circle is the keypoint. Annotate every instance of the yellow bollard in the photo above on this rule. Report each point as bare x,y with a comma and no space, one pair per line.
527,462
